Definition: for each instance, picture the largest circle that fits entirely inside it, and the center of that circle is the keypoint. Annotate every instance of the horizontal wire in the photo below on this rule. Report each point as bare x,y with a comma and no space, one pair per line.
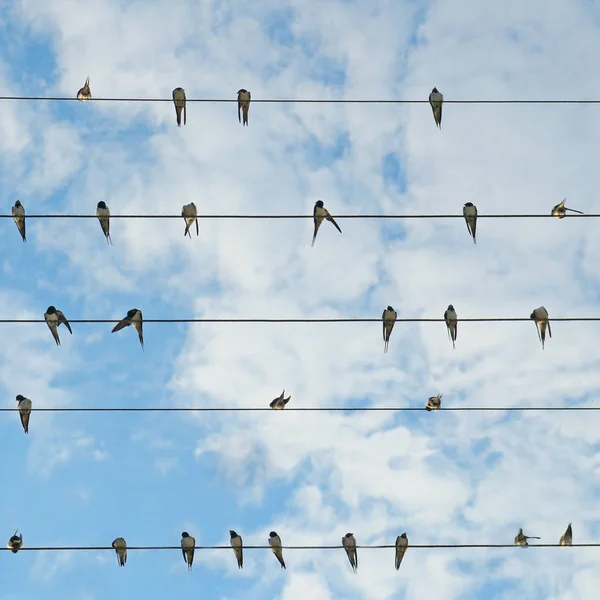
307,409
339,547
324,320
301,100
203,217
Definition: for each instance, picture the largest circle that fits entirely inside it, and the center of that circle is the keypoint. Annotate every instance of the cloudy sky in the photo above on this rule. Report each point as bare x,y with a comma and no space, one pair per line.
82,479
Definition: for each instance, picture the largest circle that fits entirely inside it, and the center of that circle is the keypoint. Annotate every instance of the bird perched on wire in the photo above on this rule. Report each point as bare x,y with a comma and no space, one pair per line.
189,212
389,317
451,323
560,210
85,93
401,545
275,543
188,544
179,101
24,408
244,98
436,99
54,318
540,316
521,540
103,215
120,546
434,403
470,215
18,213
280,402
320,213
238,547
15,543
134,317
349,543
567,537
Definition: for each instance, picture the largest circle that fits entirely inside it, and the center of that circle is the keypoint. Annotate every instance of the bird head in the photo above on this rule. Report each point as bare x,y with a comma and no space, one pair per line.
185,534
468,204
390,307
232,533
18,203
319,203
272,534
242,91
532,315
101,204
51,310
450,307
348,535
131,313
19,398
403,535
434,91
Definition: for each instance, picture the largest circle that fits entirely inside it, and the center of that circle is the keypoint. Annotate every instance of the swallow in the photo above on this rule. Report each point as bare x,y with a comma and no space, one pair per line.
244,104
434,403
401,545
451,323
134,317
470,215
320,213
120,546
349,544
18,213
103,215
84,93
54,318
275,543
189,212
559,210
521,540
540,316
15,543
389,317
179,101
436,99
24,408
280,402
238,547
188,543
567,537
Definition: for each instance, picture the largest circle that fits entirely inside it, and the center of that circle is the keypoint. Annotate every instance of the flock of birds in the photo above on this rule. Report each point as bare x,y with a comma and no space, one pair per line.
54,318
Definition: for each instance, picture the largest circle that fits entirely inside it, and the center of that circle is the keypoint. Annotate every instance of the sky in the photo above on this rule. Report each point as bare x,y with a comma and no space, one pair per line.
83,479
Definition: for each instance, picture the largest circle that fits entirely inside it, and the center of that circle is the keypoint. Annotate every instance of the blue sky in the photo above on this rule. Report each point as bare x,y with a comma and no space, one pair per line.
86,478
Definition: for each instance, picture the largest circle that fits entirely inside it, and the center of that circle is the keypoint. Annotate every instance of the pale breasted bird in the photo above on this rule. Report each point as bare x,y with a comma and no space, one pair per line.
401,545
189,212
54,318
279,402
349,544
188,544
85,93
244,97
470,215
180,104
275,543
18,213
434,403
320,213
560,210
521,540
24,408
540,316
238,547
120,546
567,537
103,215
389,317
436,99
15,543
134,317
451,323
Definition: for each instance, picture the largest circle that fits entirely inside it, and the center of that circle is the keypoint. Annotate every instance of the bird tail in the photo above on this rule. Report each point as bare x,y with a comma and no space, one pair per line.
575,211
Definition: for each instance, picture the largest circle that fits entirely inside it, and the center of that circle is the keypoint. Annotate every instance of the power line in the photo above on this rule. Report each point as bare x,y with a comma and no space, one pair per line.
338,547
317,320
204,217
300,100
310,409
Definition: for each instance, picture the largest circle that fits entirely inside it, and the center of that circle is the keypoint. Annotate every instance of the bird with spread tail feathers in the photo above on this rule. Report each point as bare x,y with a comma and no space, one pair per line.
434,403
560,209
120,546
540,316
15,543
280,402
188,544
85,93
134,317
189,212
320,213
54,318
521,540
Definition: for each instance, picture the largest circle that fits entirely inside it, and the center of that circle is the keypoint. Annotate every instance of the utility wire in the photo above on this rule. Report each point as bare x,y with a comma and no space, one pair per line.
316,320
203,217
300,100
338,547
308,409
